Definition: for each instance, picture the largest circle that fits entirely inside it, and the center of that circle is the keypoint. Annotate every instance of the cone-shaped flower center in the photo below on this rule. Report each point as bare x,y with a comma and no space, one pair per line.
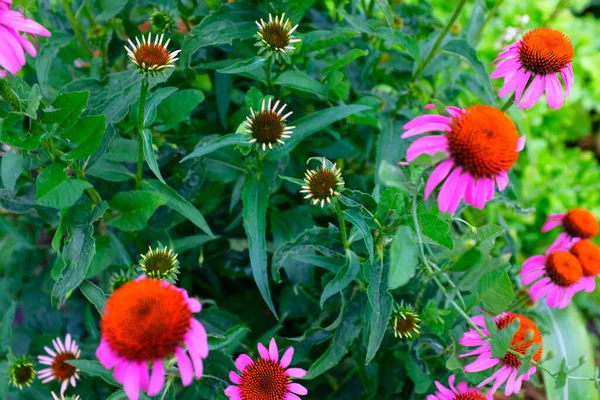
276,35
522,339
267,127
483,141
405,323
22,373
581,223
545,51
264,380
61,369
151,55
323,183
161,21
146,320
588,255
159,263
563,268
473,394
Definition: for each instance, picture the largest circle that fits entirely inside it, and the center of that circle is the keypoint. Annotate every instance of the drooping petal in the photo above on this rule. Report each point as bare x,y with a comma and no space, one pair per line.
427,145
534,92
132,381
554,92
567,75
446,194
157,378
502,180
438,175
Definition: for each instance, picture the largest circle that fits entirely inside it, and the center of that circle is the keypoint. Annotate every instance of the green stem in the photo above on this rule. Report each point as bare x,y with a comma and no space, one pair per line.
487,19
75,25
141,117
268,69
439,40
8,95
340,215
508,103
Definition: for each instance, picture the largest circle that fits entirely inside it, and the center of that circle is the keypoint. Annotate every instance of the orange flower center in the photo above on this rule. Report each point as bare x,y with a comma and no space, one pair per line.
63,371
264,380
581,223
483,141
522,339
472,394
267,127
323,184
563,268
545,51
152,55
145,320
588,255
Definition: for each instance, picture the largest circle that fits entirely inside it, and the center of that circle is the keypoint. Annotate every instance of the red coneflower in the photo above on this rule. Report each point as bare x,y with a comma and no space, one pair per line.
588,254
57,359
459,392
577,223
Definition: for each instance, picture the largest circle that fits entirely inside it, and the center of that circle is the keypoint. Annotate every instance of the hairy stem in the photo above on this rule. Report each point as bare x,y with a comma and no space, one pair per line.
340,215
141,117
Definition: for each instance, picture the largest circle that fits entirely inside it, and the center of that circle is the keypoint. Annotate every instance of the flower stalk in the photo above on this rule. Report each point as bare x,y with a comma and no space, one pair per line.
141,117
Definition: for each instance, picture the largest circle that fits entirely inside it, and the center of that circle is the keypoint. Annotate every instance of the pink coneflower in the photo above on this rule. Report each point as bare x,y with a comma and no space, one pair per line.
536,60
557,275
459,392
57,359
577,223
267,378
145,322
12,44
588,254
509,365
482,145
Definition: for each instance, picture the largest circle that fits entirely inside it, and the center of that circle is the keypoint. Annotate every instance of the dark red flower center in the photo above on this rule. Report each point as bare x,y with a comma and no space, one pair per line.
264,380
267,127
63,371
150,55
276,35
545,51
563,268
588,254
483,141
146,320
581,223
472,394
522,339
322,184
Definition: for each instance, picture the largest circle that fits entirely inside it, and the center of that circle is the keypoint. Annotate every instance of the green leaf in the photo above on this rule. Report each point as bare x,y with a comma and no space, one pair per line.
6,327
255,198
246,65
177,107
345,275
230,139
86,134
342,61
404,257
381,306
435,229
11,167
94,294
495,290
110,9
391,175
357,220
134,209
178,203
149,155
47,54
299,80
94,368
324,39
230,339
56,190
66,110
501,340
110,171
231,22
463,49
308,125
154,101
387,13
569,337
345,334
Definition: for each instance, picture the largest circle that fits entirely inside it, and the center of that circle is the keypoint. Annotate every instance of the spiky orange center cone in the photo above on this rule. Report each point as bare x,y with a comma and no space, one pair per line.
264,380
152,54
588,254
521,342
483,141
146,320
581,223
545,51
61,369
563,268
472,395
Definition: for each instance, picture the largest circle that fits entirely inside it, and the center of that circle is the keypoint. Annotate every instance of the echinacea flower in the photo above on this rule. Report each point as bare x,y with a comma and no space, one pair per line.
276,37
532,65
267,126
21,372
588,254
267,378
12,44
482,145
121,277
459,392
577,223
145,323
57,359
162,21
151,58
508,371
63,397
405,322
160,263
322,184
557,275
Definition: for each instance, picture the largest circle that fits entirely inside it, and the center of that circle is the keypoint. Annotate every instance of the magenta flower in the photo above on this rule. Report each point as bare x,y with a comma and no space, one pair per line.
57,367
532,65
557,275
588,254
146,322
459,392
482,145
576,223
266,378
12,43
508,371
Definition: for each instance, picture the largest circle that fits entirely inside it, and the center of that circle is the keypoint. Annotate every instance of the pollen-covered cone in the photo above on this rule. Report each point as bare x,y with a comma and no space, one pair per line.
576,223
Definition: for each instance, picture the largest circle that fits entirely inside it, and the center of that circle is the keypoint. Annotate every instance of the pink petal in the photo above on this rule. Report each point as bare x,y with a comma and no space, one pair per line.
554,297
510,83
185,367
262,350
427,145
567,75
120,371
144,375
540,289
521,143
459,192
235,378
196,363
454,112
287,358
194,305
506,67
445,197
554,93
527,278
437,176
131,385
502,180
273,351
233,392
521,84
549,225
427,119
157,378
242,362
295,372
297,388
533,94
106,356
429,127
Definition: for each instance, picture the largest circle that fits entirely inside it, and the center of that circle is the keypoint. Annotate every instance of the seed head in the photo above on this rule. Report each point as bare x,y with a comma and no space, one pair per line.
323,184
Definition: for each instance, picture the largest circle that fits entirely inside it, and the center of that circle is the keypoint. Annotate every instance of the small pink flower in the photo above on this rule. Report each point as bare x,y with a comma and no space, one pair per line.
12,43
459,392
56,360
576,223
482,145
532,65
266,378
146,322
526,336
